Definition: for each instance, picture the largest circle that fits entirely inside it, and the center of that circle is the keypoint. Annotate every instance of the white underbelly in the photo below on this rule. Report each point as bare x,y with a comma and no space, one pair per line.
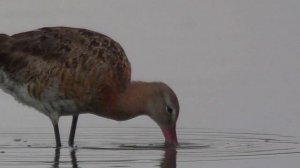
49,104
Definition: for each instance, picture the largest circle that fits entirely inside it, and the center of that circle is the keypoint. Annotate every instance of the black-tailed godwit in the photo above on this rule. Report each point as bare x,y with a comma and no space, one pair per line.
68,71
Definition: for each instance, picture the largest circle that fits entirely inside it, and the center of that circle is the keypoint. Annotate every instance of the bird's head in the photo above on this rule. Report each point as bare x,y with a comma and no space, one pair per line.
154,99
163,108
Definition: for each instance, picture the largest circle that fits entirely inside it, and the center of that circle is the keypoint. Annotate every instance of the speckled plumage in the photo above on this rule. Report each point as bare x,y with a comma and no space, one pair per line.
64,70
69,71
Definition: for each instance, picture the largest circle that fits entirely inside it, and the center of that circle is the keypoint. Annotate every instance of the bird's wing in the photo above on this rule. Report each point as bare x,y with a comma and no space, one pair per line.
81,64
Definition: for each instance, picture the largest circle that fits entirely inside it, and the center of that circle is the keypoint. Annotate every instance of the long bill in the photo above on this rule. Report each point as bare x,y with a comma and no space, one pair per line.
170,135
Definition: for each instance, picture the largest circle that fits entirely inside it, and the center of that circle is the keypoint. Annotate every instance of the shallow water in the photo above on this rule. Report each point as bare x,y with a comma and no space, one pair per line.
140,147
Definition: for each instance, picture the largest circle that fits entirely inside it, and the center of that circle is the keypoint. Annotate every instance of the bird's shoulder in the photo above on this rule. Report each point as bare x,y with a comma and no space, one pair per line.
79,60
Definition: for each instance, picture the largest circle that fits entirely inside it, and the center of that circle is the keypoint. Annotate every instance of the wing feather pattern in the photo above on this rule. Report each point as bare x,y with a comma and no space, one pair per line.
76,64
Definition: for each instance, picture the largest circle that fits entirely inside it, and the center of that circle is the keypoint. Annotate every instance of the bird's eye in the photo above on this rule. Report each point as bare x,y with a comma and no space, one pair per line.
169,109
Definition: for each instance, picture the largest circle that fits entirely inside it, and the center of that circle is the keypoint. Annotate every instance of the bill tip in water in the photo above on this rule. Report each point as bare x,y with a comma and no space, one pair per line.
170,136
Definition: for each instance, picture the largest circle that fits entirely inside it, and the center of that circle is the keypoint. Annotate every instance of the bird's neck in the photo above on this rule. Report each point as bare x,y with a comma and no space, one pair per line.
131,103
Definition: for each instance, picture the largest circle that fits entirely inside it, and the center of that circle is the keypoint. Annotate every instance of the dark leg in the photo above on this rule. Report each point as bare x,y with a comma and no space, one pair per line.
56,158
73,130
74,158
57,136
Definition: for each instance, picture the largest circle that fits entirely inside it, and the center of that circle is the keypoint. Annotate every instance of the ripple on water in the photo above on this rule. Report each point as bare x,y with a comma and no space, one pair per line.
131,147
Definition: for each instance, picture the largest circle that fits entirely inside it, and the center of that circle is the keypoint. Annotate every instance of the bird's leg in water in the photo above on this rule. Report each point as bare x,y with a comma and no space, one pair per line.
73,130
57,136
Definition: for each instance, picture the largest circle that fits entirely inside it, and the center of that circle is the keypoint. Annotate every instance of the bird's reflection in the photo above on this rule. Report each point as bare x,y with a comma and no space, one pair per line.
168,159
56,160
74,158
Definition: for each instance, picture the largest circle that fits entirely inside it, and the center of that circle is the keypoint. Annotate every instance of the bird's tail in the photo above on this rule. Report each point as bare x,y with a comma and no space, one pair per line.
5,48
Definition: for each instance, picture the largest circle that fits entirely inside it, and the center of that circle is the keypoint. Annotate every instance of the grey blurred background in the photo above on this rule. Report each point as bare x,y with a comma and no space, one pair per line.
234,64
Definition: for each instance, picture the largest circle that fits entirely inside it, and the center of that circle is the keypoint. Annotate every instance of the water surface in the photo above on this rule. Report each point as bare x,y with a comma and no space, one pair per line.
141,147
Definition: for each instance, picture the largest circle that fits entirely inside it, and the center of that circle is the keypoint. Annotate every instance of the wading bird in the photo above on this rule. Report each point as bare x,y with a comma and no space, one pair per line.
69,71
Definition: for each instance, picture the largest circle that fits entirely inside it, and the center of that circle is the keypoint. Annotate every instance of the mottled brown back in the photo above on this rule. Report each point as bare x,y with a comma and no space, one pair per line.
82,65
